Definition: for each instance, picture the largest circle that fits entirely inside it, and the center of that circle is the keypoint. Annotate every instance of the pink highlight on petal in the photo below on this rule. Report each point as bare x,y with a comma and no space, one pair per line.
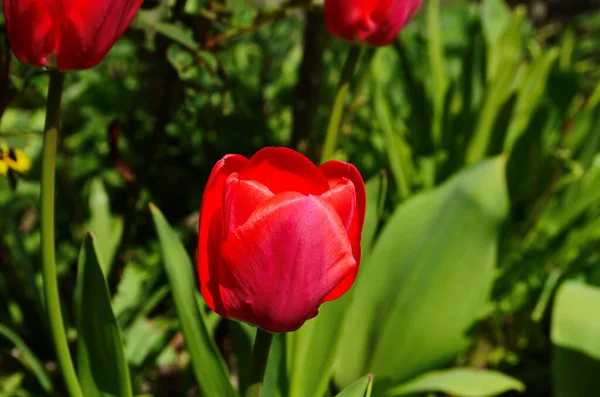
279,267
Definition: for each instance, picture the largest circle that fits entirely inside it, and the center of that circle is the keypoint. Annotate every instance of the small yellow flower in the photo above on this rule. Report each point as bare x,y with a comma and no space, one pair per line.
15,159
3,166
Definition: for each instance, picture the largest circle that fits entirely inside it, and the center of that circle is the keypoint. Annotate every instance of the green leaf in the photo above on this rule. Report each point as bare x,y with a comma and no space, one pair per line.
315,347
575,323
208,365
177,34
242,337
102,368
503,62
578,199
529,97
376,188
107,228
574,374
574,333
144,338
242,13
411,303
397,149
276,381
495,16
438,67
464,382
360,388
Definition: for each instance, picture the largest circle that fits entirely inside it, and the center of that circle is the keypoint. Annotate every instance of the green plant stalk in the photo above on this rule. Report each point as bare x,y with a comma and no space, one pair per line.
337,110
260,357
51,296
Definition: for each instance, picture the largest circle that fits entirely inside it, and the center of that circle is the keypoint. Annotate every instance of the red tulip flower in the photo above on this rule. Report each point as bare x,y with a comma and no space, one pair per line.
278,237
376,22
66,34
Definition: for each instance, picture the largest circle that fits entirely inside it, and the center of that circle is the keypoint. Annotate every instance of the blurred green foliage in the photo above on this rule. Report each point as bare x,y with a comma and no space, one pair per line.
478,134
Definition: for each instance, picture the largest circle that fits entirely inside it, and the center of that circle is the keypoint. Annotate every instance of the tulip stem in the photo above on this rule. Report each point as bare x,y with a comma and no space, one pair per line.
51,295
337,109
260,357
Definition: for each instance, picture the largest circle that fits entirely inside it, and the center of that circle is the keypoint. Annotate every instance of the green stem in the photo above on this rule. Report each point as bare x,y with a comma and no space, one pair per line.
51,295
337,110
260,356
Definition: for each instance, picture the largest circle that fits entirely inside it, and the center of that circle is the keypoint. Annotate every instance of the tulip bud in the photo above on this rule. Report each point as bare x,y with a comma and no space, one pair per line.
66,34
376,22
279,237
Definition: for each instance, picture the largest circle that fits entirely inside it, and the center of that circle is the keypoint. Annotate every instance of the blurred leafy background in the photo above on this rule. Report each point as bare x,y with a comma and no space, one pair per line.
477,131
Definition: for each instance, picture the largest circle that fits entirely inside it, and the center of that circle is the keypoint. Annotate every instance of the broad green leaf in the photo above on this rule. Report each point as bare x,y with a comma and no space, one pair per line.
575,323
28,358
411,307
102,368
360,388
208,365
464,382
107,229
574,333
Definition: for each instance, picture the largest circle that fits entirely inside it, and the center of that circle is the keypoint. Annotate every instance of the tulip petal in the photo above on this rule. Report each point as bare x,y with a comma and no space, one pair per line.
376,22
31,32
343,198
355,19
281,264
390,26
91,29
340,176
241,198
210,234
339,173
282,170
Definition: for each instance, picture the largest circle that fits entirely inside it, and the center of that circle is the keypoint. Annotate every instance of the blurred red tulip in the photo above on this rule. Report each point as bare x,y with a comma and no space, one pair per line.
66,34
278,237
376,22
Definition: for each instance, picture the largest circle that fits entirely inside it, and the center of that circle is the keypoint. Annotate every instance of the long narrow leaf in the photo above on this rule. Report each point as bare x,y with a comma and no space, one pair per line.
29,358
101,363
208,365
